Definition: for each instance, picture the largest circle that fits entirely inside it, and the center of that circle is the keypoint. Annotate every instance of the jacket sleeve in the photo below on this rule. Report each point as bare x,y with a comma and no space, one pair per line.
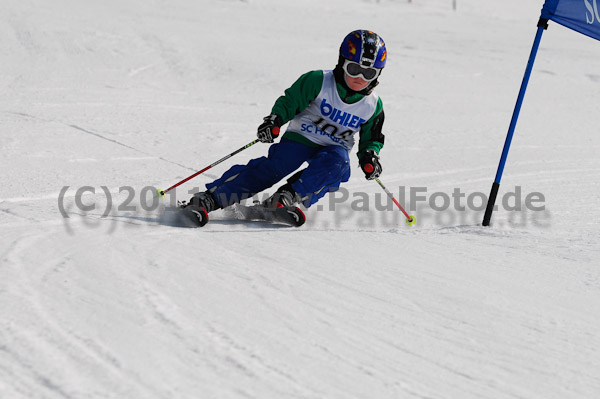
298,96
371,136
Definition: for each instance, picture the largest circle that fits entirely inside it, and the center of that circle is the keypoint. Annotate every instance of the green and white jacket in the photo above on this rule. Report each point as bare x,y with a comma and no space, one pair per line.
323,112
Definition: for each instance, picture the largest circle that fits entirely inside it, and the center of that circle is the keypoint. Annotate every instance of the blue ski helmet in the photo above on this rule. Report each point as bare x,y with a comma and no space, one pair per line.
364,47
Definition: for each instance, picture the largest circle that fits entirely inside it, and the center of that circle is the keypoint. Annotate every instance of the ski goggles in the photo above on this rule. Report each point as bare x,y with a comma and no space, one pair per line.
354,69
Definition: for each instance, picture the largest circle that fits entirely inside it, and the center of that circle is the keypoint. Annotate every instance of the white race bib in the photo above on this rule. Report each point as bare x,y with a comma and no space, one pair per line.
328,120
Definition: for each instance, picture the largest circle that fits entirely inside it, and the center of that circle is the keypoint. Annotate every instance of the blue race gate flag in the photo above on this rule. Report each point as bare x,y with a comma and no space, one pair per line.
582,16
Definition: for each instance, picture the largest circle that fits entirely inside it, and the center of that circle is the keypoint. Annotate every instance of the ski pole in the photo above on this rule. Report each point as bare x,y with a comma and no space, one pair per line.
410,220
161,193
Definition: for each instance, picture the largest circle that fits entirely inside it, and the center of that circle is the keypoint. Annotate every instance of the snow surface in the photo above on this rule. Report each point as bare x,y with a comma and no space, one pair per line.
355,304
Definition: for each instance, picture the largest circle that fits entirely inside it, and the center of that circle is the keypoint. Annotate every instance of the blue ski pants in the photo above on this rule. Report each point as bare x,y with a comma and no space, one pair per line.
328,167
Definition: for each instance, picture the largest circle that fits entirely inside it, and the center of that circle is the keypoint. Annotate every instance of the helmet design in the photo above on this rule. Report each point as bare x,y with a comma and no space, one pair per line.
364,47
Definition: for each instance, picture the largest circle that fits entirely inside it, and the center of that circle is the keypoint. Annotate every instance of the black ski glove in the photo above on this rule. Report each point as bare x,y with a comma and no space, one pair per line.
369,163
269,129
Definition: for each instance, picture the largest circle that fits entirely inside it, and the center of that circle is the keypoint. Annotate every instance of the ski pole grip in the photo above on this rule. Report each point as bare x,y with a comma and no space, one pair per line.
275,131
369,168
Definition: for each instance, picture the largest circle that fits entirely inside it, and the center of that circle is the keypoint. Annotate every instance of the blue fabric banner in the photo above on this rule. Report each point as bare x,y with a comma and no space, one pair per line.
582,16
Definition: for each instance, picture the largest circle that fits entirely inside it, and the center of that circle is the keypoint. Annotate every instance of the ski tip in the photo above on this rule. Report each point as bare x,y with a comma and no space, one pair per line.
299,217
201,214
160,192
194,216
411,221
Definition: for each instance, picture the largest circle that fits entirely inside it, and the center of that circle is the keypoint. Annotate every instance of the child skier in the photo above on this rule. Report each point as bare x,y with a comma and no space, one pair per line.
325,110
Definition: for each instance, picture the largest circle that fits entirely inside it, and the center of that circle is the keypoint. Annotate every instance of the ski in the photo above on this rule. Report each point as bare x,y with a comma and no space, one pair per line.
184,215
195,215
288,215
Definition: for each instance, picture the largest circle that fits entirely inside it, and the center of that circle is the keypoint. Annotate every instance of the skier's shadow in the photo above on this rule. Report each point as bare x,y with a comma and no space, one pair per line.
163,218
174,218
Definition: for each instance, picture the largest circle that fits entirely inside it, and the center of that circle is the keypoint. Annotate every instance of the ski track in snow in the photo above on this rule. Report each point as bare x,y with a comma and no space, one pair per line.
355,304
